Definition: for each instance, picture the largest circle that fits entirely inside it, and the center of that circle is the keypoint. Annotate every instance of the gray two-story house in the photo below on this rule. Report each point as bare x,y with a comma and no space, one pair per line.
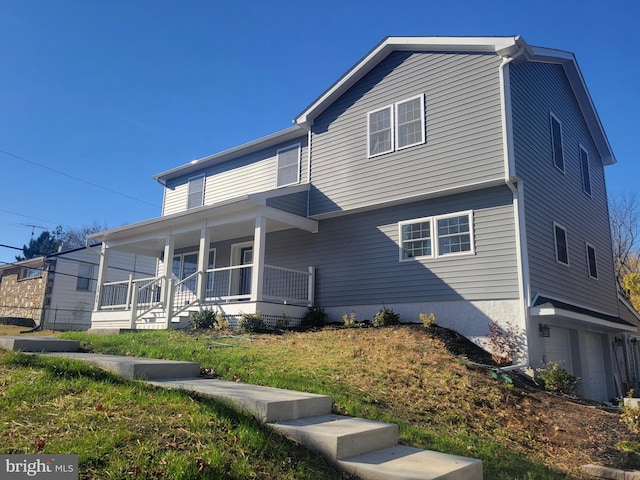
459,176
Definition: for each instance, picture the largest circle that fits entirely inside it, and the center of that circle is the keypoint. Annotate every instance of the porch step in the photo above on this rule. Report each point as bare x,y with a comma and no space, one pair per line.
267,404
140,368
339,437
407,463
38,344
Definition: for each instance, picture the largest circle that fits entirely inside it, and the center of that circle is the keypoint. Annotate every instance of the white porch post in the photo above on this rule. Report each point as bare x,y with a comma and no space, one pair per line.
257,272
102,275
203,262
169,246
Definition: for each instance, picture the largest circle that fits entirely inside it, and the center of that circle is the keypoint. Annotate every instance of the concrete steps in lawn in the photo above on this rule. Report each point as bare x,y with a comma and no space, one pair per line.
366,449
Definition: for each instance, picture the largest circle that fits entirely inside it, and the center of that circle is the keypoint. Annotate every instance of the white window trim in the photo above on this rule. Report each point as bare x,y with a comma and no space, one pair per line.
395,123
204,183
90,277
586,174
286,149
588,245
435,239
555,243
553,149
392,127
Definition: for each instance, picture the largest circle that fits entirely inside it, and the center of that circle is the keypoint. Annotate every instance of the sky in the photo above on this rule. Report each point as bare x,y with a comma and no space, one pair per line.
97,96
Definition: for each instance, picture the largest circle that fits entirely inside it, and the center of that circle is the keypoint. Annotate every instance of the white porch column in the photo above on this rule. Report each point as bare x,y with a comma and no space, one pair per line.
203,261
257,272
102,275
169,247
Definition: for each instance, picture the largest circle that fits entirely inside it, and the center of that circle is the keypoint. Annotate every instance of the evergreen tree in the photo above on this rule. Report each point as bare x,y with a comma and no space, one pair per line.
45,244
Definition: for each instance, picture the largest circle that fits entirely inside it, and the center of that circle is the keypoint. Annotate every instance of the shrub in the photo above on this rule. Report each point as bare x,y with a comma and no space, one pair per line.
556,379
203,319
428,319
252,322
221,321
349,320
630,416
315,317
504,343
386,317
282,323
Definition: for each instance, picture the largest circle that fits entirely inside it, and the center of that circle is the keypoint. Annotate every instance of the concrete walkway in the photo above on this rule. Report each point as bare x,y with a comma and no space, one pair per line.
364,448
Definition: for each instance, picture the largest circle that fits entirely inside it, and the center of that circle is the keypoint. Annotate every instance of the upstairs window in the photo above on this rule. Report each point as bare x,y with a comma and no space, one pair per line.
592,264
85,275
562,246
196,192
586,174
556,143
437,236
288,165
396,126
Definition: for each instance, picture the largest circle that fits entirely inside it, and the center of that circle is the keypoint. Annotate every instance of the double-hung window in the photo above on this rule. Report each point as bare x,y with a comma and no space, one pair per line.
85,275
556,143
396,126
196,192
586,174
29,272
437,236
561,243
288,165
592,264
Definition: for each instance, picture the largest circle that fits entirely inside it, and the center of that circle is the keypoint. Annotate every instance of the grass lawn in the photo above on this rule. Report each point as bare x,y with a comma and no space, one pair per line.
125,429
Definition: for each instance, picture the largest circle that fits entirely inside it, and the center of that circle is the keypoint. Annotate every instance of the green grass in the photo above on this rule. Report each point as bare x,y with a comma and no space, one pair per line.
398,375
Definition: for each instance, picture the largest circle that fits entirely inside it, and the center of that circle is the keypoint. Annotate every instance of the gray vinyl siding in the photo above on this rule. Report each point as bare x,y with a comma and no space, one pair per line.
463,132
295,203
253,173
357,256
549,195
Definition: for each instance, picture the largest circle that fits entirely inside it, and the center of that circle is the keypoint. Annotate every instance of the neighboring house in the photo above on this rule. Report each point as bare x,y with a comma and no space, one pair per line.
459,176
58,291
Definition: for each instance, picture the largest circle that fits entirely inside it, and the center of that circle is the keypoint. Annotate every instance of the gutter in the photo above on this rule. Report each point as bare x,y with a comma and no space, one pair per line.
515,185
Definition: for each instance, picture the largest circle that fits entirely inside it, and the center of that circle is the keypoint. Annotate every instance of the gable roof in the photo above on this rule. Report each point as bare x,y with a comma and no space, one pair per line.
505,47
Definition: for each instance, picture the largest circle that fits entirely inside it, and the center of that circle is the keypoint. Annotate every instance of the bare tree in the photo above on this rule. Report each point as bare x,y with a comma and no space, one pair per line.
76,238
624,213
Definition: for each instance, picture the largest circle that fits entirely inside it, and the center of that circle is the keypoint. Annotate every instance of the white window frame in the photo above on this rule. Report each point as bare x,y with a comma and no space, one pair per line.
189,193
89,278
394,126
585,170
296,146
396,123
555,243
391,131
552,117
27,273
435,237
595,260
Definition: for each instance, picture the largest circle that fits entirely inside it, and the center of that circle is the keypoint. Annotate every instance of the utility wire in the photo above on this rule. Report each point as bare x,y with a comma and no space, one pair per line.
76,178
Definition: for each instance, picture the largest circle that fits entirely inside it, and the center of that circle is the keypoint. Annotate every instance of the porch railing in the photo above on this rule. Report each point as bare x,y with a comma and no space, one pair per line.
287,285
119,295
185,293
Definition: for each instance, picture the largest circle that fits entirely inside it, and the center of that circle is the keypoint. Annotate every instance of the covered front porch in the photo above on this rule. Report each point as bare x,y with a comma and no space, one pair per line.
208,257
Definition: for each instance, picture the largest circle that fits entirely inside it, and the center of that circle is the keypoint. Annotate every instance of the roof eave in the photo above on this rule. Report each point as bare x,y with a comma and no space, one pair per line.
244,149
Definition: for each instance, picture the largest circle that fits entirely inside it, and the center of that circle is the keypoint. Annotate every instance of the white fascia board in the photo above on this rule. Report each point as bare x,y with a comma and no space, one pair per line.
580,90
549,310
246,148
498,45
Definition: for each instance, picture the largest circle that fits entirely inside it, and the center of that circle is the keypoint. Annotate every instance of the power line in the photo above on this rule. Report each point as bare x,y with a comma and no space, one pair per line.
76,178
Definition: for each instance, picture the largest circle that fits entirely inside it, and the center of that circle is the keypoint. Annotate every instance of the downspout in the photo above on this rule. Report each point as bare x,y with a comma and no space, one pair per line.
516,187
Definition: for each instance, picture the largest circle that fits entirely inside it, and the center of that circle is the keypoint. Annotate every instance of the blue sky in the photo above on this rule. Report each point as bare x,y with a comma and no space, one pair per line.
111,92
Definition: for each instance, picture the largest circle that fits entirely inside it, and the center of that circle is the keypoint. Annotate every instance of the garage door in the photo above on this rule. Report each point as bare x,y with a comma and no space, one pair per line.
557,348
595,382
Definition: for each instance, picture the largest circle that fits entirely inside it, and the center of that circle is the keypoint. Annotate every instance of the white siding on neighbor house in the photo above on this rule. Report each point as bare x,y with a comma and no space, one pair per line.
538,89
71,308
463,132
253,173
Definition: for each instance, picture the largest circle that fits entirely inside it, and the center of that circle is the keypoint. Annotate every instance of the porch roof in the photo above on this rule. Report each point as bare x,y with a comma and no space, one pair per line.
234,218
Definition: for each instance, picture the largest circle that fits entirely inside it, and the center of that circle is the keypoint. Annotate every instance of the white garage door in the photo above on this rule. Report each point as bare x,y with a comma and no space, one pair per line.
557,347
595,380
